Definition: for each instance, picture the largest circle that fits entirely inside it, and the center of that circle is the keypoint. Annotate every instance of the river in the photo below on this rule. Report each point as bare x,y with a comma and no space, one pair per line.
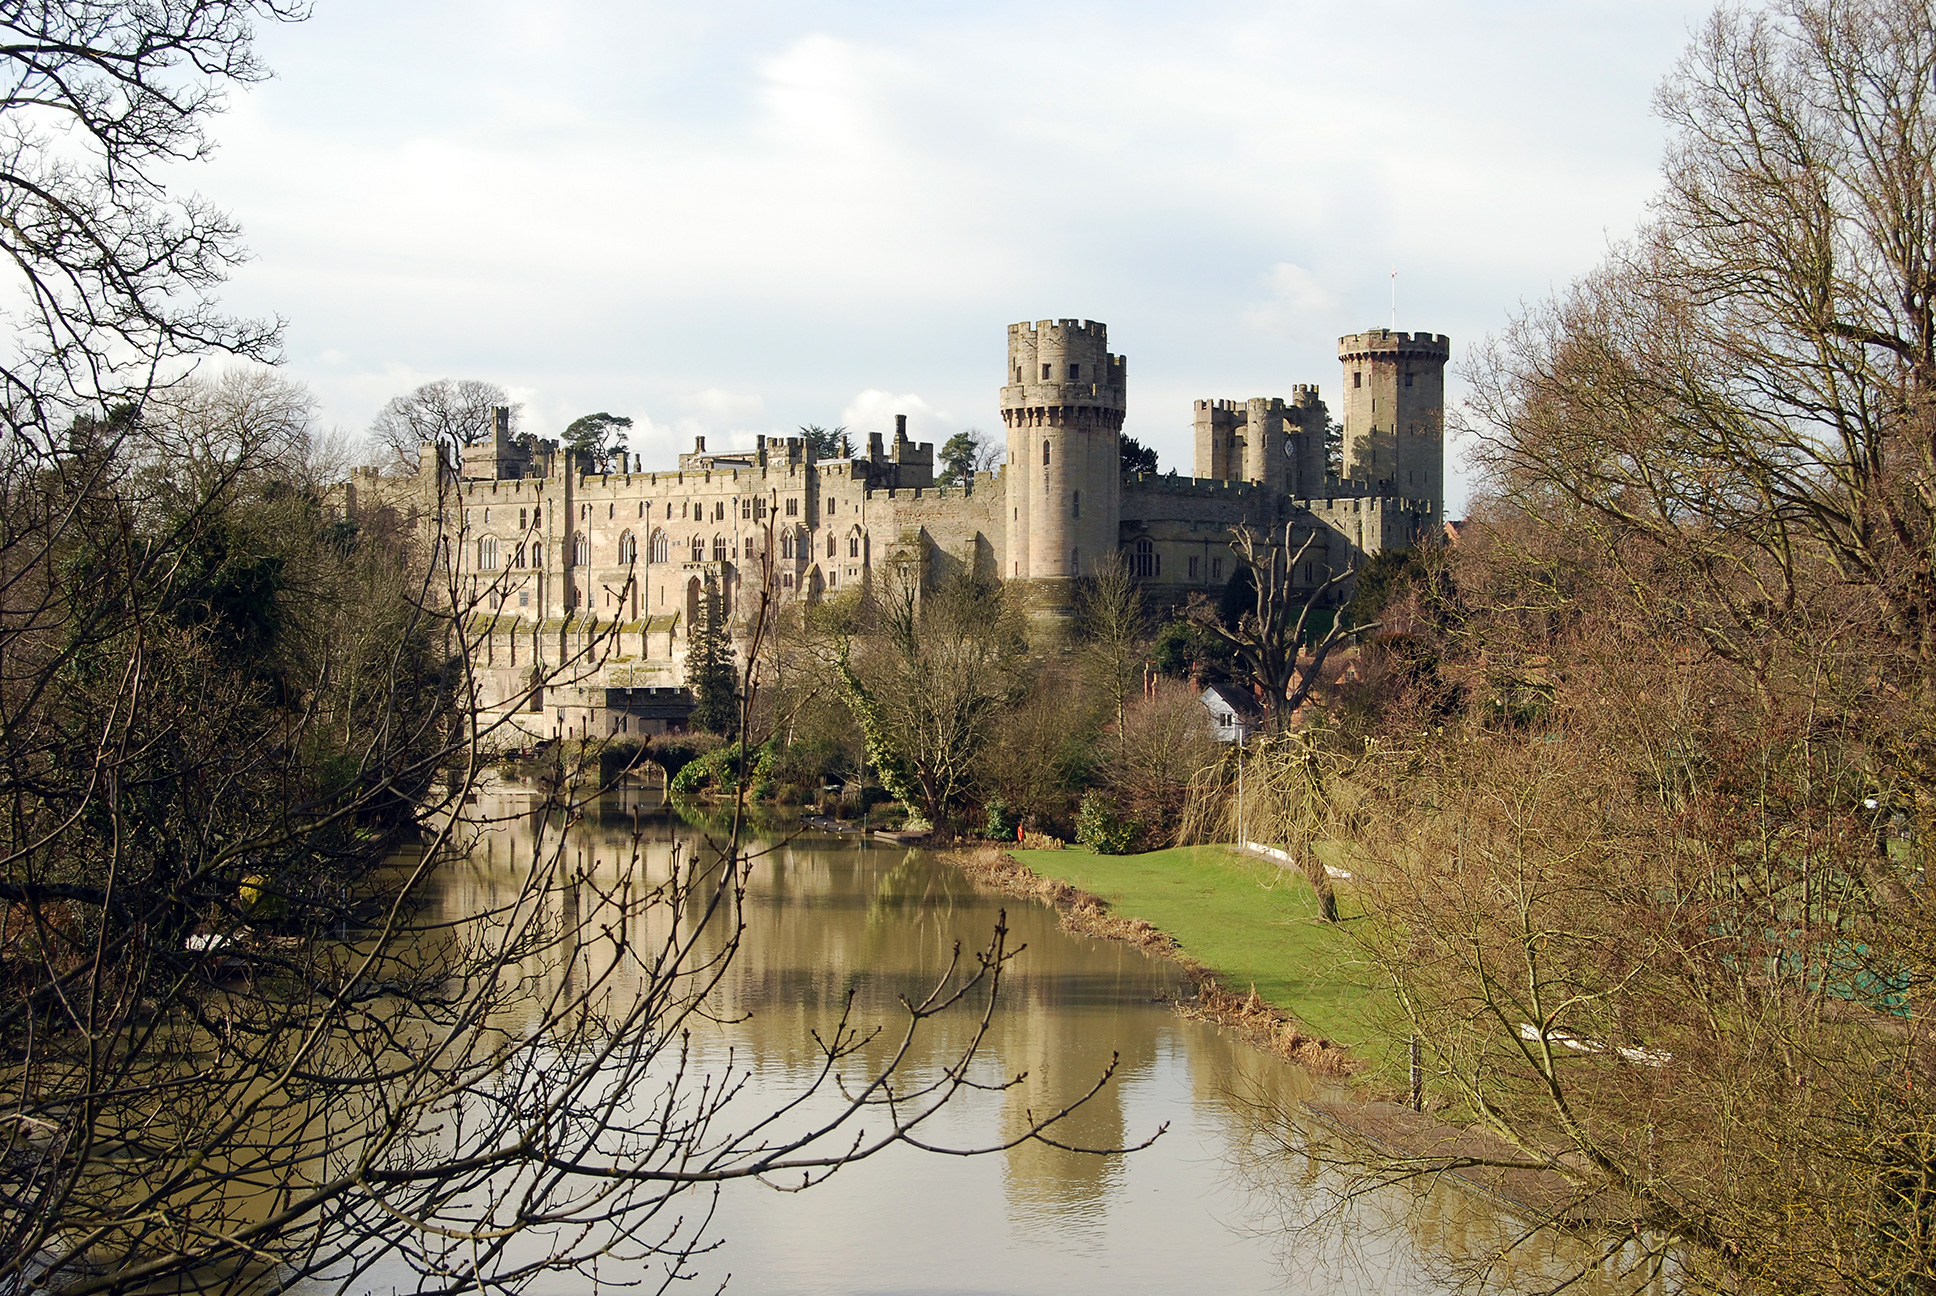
1225,1200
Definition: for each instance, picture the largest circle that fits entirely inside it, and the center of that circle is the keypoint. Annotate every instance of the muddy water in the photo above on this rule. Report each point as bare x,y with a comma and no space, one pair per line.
1224,1201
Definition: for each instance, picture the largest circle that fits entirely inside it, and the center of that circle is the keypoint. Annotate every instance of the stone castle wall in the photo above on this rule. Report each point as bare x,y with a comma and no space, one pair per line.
608,570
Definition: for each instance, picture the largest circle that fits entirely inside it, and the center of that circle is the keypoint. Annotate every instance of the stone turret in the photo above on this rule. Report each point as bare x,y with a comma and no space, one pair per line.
1063,404
1394,412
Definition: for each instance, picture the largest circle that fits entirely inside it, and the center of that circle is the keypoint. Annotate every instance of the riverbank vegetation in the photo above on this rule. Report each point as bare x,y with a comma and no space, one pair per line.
1638,780
250,1040
1257,926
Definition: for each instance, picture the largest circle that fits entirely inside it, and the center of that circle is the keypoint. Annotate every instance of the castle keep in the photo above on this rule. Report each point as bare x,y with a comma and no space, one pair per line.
552,559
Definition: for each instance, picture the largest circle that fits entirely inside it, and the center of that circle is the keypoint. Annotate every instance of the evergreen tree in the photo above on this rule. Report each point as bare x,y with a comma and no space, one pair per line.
711,671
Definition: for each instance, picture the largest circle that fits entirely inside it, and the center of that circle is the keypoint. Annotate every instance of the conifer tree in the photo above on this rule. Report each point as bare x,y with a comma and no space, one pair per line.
711,672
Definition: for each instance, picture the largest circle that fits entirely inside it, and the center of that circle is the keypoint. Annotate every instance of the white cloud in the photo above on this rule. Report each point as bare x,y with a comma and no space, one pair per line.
725,219
874,410
1297,304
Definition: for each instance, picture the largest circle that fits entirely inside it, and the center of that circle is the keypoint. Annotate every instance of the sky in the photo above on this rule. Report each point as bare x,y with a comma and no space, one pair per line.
737,218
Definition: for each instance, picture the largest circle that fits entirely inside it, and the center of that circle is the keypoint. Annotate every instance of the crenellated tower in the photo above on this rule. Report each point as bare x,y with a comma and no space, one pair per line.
1063,405
1394,412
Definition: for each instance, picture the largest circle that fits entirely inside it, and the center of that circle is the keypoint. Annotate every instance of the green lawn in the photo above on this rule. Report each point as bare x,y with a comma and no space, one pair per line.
1246,919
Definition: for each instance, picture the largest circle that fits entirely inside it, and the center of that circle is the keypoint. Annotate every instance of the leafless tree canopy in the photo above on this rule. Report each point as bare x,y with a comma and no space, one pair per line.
1651,884
1270,636
450,412
116,272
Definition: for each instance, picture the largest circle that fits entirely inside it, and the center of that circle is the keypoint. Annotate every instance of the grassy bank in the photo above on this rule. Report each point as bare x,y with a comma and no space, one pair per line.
1249,921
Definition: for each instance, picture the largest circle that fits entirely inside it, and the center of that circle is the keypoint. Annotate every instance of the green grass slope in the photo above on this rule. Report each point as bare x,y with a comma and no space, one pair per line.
1246,919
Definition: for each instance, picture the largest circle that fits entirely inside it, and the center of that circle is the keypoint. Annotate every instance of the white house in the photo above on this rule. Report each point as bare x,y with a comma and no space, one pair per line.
1233,712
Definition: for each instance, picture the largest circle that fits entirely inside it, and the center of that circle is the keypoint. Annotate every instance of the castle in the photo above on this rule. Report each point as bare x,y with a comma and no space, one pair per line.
608,571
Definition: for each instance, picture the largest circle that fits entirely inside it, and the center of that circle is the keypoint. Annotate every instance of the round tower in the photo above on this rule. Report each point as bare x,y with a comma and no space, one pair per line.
1394,412
1062,402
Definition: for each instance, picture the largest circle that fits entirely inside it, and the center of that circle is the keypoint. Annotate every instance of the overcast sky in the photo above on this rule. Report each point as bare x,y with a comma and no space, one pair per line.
733,218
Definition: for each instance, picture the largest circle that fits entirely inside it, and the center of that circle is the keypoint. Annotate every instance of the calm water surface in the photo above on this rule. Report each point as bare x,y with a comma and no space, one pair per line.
1216,1205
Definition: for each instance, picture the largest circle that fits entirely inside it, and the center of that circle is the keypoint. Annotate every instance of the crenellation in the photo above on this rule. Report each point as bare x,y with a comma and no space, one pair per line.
554,566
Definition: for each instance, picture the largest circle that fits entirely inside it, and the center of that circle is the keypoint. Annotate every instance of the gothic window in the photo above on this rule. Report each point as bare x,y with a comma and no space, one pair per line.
659,547
759,510
1045,454
719,549
786,580
786,545
537,555
487,554
699,549
746,510
830,545
1143,560
523,524
853,546
517,556
793,508
749,546
581,550
628,549
1193,569
719,510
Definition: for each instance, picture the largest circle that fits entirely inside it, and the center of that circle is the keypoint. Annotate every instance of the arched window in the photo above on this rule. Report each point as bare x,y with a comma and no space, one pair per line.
537,555
719,549
1045,454
537,519
699,548
786,544
830,544
628,549
853,545
517,556
487,554
660,547
1143,561
581,550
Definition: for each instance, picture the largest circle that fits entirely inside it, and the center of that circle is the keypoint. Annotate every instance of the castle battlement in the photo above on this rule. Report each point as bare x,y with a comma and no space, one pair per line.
1386,342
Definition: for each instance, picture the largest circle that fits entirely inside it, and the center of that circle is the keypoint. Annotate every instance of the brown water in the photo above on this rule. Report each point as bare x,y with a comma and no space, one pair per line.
1220,1203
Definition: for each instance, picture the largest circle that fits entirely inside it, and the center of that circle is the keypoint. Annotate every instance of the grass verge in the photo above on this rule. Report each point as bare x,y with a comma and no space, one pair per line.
1247,920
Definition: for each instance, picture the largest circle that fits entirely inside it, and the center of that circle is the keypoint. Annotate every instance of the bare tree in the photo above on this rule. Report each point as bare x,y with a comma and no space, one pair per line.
1270,636
1111,623
928,683
450,412
238,728
1663,929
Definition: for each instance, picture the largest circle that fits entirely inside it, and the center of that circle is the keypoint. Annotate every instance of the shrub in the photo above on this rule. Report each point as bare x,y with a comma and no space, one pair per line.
673,752
719,770
1102,829
1000,825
